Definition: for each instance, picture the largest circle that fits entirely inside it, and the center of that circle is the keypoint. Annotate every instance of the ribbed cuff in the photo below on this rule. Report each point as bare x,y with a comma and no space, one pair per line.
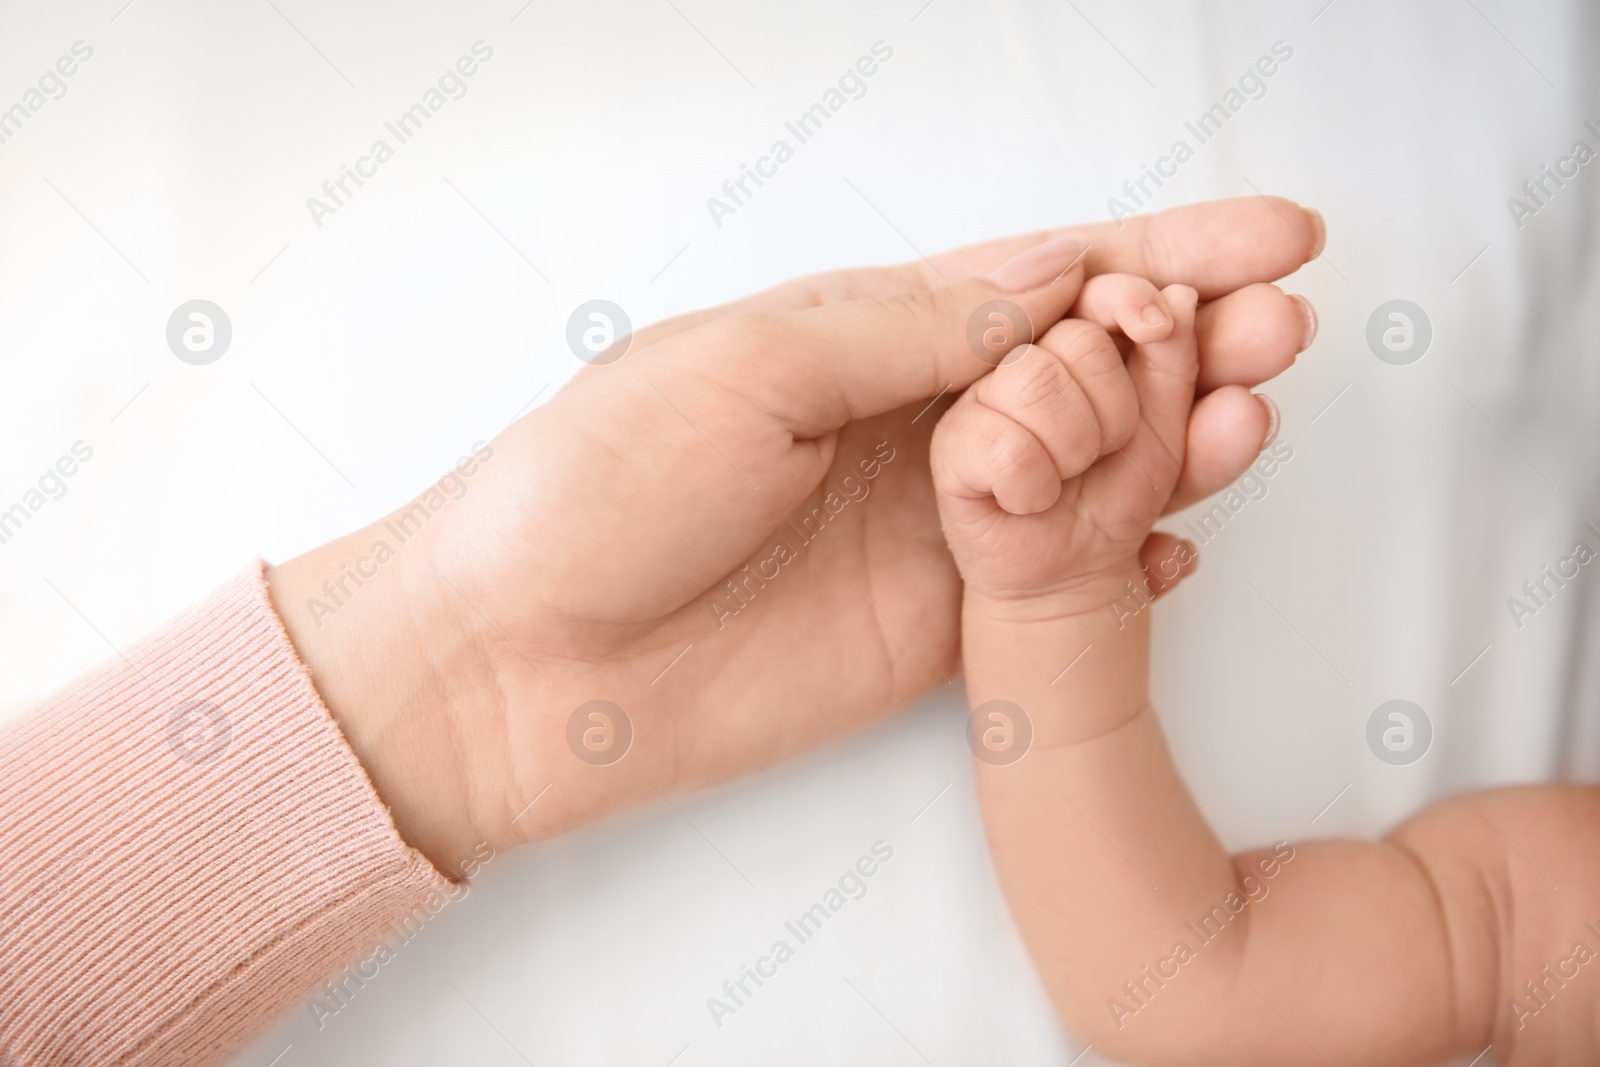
187,847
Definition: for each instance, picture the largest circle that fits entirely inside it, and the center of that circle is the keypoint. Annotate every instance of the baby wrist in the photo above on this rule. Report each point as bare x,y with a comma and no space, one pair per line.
1076,676
1118,594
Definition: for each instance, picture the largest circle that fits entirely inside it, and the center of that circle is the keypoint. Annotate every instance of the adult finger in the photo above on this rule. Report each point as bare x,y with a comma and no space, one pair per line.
814,290
817,369
1216,247
1252,335
1228,428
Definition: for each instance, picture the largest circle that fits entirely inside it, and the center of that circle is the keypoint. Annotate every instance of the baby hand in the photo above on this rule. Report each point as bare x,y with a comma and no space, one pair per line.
1051,471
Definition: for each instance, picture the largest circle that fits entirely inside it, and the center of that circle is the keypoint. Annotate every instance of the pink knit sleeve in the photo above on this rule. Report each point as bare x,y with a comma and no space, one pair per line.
187,846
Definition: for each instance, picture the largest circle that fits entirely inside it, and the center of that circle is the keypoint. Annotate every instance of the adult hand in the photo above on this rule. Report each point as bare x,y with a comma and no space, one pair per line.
589,559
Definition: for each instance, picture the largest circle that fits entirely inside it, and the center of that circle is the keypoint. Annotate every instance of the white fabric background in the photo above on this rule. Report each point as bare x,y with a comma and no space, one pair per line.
178,164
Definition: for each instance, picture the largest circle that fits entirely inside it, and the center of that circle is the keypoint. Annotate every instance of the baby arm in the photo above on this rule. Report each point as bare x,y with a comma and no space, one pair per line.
1156,945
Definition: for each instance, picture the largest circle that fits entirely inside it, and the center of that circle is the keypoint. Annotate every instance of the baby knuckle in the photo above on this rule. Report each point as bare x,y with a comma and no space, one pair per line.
1078,446
1033,382
1091,349
1012,449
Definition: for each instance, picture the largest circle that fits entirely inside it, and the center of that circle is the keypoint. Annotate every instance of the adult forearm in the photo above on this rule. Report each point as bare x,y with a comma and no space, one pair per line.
187,847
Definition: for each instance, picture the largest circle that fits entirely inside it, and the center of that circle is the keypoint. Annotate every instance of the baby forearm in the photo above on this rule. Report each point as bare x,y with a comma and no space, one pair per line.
1102,852
1155,945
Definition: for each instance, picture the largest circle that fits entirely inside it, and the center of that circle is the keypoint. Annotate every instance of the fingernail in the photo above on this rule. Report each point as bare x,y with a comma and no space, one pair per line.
1274,419
1319,234
1038,266
1155,315
1311,321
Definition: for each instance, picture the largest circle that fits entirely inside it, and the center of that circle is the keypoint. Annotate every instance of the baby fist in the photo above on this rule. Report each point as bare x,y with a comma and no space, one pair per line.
1051,472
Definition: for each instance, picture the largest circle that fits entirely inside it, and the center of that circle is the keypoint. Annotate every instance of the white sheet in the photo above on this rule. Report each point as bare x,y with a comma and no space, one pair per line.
414,320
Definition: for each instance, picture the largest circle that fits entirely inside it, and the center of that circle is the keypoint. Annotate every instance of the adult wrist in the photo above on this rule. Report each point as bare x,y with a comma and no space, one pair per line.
393,660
